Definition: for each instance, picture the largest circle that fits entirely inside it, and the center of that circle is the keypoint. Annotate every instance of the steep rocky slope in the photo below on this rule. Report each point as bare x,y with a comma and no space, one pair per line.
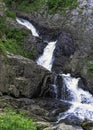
78,25
21,79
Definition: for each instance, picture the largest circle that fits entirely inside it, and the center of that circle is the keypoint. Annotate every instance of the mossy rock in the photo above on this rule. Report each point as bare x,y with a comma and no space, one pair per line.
87,125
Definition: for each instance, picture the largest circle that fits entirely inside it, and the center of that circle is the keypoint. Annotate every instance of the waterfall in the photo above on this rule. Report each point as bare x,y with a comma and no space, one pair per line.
28,25
82,101
46,59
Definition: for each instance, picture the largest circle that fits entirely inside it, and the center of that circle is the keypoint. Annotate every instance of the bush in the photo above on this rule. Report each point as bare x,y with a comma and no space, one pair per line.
62,5
2,48
34,5
9,120
10,14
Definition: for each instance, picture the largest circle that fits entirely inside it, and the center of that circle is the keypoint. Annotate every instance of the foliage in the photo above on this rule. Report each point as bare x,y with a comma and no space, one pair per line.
61,5
10,14
34,5
9,120
3,25
2,48
11,39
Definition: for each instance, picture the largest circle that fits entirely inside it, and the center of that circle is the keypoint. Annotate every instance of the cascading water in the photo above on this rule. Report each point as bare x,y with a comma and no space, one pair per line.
28,25
46,59
82,101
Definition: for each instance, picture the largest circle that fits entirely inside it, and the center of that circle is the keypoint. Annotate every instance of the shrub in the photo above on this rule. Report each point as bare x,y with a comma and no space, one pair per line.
2,48
10,14
62,5
34,5
9,120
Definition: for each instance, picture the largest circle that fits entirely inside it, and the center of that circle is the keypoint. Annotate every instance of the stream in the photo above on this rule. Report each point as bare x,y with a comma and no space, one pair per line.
81,101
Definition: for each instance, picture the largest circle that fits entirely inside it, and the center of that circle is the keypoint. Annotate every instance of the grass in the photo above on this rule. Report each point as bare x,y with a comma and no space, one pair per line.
9,120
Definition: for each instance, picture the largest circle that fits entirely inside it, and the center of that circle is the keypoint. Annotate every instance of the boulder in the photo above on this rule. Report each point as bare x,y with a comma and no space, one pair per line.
63,126
21,77
87,125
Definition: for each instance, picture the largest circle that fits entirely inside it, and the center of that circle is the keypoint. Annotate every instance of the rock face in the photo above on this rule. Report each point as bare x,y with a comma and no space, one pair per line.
41,109
21,77
87,125
64,49
34,45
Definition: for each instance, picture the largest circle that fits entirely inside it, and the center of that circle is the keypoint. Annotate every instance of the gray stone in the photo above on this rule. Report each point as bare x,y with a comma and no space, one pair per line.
20,76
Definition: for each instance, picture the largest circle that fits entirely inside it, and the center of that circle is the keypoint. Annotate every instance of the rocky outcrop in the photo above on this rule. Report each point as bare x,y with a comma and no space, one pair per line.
64,49
21,77
34,45
41,109
87,125
63,126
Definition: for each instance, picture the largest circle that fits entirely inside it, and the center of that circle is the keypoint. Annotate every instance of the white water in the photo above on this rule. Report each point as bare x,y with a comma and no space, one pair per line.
28,25
46,59
82,101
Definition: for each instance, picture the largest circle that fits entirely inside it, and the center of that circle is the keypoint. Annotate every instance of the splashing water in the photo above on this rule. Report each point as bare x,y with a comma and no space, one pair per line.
28,25
46,60
82,101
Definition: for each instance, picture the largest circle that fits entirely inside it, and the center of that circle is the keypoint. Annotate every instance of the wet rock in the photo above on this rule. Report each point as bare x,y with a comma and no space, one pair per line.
41,109
65,45
64,49
63,126
46,32
87,125
34,45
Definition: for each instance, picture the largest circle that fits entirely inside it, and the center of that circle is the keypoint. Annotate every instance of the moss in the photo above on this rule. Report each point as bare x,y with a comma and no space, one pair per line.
86,126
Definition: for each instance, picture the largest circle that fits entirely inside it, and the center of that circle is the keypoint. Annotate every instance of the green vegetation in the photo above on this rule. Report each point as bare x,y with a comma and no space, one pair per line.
11,39
9,120
52,5
61,5
2,49
10,14
90,68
